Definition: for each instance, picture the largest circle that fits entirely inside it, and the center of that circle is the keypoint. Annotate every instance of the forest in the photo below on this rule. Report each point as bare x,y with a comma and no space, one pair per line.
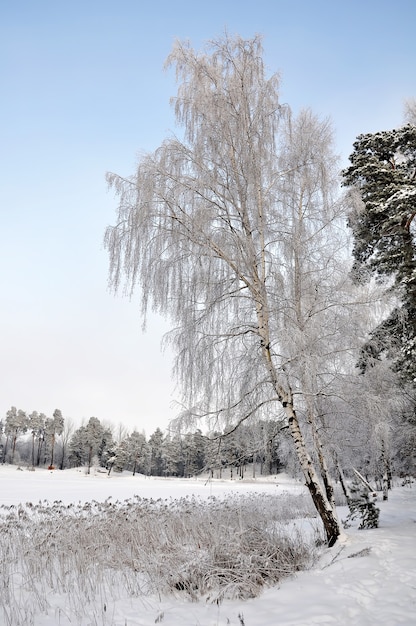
34,440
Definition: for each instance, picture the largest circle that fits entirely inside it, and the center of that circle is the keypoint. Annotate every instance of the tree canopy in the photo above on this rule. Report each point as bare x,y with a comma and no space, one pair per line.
382,176
232,231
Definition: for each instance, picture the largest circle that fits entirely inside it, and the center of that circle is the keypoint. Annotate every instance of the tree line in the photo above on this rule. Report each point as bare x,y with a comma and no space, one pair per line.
39,441
378,447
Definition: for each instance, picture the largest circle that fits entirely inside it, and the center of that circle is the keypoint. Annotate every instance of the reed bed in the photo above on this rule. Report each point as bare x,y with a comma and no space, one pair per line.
92,553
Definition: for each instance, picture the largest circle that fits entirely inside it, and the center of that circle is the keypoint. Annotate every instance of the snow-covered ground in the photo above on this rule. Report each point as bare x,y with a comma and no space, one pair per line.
22,485
368,580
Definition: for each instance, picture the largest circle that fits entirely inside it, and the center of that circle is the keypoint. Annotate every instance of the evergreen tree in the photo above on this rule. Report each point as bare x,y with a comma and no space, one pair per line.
404,456
362,504
77,450
117,456
1,440
192,450
90,441
36,426
157,462
175,455
105,446
41,438
198,446
16,424
93,439
137,452
53,427
382,176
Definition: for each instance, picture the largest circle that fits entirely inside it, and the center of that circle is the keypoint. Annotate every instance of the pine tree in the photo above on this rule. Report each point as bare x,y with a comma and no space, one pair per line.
36,427
137,451
90,441
16,424
93,439
54,426
382,177
77,451
362,504
117,457
175,455
157,462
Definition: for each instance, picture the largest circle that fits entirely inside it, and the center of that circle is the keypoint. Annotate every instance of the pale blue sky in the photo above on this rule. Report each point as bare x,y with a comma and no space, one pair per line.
83,91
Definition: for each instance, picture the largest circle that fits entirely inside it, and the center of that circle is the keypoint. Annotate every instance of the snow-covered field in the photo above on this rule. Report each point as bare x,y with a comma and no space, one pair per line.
368,580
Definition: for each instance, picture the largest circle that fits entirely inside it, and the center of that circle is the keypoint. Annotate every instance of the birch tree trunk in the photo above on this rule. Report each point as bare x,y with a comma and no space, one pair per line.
344,485
385,466
324,506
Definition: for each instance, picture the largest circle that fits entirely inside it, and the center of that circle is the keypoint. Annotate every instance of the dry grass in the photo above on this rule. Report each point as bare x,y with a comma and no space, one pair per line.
211,548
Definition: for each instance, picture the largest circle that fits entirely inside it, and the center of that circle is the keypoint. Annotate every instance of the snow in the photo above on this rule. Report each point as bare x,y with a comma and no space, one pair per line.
368,579
77,486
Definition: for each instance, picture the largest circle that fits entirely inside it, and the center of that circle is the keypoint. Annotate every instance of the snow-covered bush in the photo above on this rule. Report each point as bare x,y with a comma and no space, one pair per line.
362,505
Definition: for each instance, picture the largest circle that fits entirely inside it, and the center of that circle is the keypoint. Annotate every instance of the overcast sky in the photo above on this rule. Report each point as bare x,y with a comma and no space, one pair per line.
83,92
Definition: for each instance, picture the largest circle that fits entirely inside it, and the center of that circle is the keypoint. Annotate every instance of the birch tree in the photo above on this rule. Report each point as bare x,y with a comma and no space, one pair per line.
231,231
66,435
